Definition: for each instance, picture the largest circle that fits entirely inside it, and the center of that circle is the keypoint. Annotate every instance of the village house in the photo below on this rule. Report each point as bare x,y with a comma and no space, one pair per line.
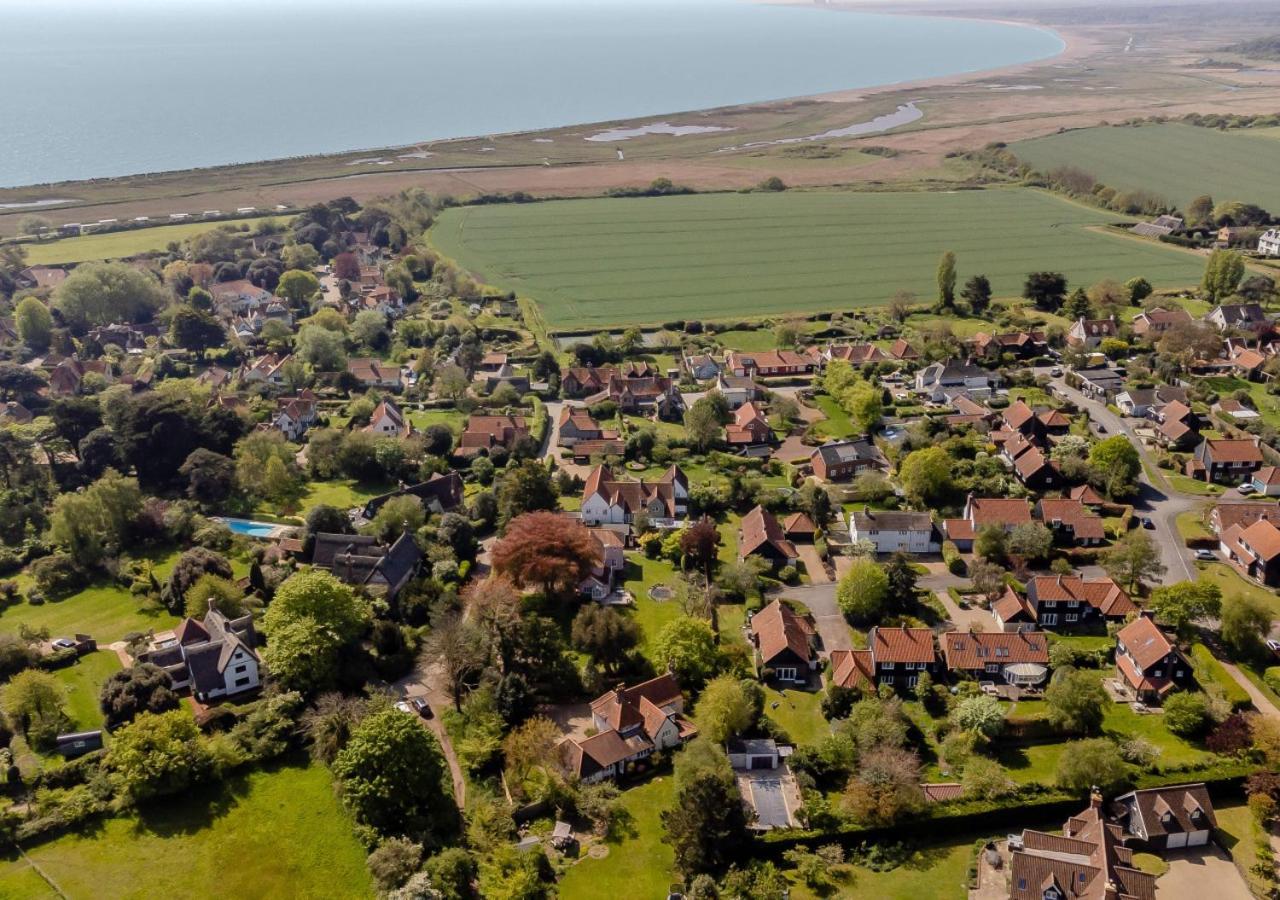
294,415
576,424
983,512
439,493
1088,334
1100,383
904,351
1266,481
1167,818
358,559
893,531
700,367
1238,317
1019,344
631,724
854,354
1071,521
937,379
738,389
388,420
894,656
238,297
1237,410
1269,242
1229,460
607,500
1031,465
376,373
1247,362
67,377
1141,402
1160,226
1088,861
845,460
14,413
581,381
484,434
214,656
1254,550
749,428
1147,662
268,369
215,378
642,396
36,277
783,641
770,363
761,535
1068,601
988,655
613,559
1153,323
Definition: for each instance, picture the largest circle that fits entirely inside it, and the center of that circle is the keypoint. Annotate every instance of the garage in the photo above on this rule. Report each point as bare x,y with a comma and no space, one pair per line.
750,754
1176,840
1197,838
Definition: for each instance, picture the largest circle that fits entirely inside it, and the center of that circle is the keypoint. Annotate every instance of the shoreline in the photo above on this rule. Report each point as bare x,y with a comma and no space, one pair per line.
1071,48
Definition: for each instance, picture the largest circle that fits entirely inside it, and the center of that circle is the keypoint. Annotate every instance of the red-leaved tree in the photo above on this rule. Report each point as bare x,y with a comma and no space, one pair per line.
346,266
546,550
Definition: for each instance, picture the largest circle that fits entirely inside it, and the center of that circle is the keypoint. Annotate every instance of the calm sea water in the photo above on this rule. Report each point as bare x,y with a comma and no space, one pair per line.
119,88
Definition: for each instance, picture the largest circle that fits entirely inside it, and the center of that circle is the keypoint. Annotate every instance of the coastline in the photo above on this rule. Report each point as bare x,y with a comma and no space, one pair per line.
1071,48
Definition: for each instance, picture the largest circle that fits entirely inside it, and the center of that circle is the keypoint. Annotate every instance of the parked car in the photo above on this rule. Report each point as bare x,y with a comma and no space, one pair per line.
1102,429
63,644
1274,647
1205,555
1246,488
415,706
1056,371
1147,523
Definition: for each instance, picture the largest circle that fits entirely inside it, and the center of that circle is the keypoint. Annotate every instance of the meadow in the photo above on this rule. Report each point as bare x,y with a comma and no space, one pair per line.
600,262
1178,162
121,244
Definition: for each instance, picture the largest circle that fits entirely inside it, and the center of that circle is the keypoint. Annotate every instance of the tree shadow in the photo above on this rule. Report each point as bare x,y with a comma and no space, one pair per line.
200,807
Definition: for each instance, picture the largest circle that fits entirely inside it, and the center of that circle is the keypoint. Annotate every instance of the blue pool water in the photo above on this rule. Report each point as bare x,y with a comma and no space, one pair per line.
252,529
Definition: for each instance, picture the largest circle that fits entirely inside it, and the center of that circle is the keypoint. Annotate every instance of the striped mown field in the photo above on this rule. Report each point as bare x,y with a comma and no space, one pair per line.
605,262
1178,162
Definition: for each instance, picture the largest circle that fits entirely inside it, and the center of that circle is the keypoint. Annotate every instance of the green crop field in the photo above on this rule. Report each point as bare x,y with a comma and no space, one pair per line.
119,244
603,262
1178,162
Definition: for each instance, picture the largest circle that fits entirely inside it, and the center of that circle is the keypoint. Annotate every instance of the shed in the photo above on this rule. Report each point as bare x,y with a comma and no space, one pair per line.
78,743
754,753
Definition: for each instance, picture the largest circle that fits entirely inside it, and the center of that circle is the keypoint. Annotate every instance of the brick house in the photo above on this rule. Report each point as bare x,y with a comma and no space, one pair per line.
784,643
1148,663
1225,459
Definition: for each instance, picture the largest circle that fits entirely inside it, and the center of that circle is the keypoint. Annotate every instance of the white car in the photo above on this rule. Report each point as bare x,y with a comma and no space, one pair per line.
1205,555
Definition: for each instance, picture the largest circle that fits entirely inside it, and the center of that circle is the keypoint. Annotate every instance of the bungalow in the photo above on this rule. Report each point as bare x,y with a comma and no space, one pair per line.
1088,334
388,421
980,513
484,434
1069,600
854,354
631,724
761,535
1147,662
1238,316
606,500
770,363
1099,382
700,367
376,373
738,389
1238,411
904,351
576,424
936,379
749,428
842,460
1020,344
1167,818
214,656
784,644
439,493
1087,861
1160,226
1247,362
1072,521
1225,459
1153,323
987,655
1140,402
892,531
1254,550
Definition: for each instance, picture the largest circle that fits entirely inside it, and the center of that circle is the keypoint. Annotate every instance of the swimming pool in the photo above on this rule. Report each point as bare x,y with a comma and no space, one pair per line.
251,528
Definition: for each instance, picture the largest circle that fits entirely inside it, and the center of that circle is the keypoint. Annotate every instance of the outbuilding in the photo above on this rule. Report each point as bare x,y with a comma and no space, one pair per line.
753,753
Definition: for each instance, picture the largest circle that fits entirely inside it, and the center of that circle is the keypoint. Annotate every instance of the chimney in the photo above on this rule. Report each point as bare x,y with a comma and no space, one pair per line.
1095,798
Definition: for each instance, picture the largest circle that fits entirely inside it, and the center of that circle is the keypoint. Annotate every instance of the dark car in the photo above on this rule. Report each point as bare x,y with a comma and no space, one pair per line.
421,707
1147,523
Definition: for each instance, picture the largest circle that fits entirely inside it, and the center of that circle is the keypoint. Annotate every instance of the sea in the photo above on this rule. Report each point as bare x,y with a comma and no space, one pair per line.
95,89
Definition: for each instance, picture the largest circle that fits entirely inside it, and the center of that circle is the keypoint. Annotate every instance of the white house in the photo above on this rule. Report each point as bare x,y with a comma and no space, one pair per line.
388,420
893,531
214,657
937,378
1269,243
608,501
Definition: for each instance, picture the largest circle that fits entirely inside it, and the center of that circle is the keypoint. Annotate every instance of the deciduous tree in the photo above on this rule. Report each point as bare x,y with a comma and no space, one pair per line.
546,550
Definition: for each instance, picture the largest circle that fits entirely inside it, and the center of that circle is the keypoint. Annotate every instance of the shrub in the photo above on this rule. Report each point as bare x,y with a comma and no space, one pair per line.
951,556
1272,678
395,860
1186,714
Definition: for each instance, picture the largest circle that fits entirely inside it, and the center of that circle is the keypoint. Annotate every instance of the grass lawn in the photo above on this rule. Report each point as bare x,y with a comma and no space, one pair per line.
423,419
1191,526
936,872
124,243
1267,405
638,865
798,712
1193,485
641,574
1241,835
589,263
1149,862
107,612
181,846
1178,162
745,339
83,682
1232,583
837,423
344,493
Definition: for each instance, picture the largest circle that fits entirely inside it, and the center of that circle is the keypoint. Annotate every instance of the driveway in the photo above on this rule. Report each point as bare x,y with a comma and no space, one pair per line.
821,601
1195,875
971,619
425,683
813,565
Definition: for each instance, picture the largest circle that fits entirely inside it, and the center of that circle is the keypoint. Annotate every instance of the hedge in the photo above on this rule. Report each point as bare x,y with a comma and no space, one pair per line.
1208,668
951,556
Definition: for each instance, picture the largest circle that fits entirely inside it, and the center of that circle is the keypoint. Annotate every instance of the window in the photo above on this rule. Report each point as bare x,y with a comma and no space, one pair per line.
1022,884
1071,617
240,670
993,667
888,665
887,679
1156,673
1051,604
787,674
911,680
1049,619
1073,603
241,682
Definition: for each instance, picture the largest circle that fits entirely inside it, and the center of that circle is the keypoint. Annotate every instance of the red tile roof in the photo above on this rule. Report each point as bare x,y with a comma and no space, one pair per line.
778,627
964,650
902,645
